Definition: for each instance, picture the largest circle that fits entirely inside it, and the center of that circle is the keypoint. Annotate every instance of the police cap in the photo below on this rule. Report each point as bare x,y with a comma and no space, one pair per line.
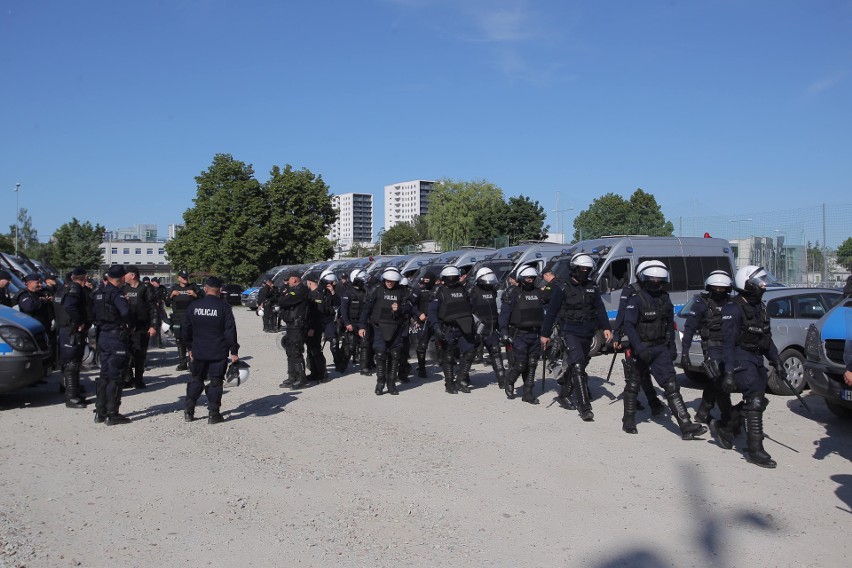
548,267
68,275
213,282
312,277
183,274
131,269
295,274
146,279
115,271
4,275
79,271
31,277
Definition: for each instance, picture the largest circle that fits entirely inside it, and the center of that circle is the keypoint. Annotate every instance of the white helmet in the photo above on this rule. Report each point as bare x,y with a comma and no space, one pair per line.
751,281
653,270
647,264
528,272
328,277
166,327
260,311
404,281
391,274
584,260
718,278
237,373
88,355
486,276
357,274
450,271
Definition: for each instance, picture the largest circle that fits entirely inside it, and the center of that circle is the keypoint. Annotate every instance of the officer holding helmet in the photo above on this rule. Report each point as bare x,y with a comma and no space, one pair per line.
521,319
328,284
210,336
483,305
351,304
580,312
705,318
451,317
420,298
649,325
386,311
746,340
179,297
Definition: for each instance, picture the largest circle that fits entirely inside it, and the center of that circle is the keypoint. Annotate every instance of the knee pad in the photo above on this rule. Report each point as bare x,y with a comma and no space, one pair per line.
520,364
577,371
381,355
632,386
671,387
756,403
217,382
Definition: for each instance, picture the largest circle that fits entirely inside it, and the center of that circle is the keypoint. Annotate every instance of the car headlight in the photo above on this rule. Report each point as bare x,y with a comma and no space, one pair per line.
812,344
19,339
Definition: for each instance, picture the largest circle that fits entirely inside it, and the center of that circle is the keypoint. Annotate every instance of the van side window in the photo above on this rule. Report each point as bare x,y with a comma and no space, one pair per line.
689,273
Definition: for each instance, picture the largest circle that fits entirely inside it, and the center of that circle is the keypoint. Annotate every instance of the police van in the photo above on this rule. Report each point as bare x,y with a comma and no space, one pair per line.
689,261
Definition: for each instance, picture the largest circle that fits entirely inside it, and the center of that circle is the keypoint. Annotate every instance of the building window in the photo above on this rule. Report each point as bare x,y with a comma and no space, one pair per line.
114,250
161,251
139,251
127,251
150,251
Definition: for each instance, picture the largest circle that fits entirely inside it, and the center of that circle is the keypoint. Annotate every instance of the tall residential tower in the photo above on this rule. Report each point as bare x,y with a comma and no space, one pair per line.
406,199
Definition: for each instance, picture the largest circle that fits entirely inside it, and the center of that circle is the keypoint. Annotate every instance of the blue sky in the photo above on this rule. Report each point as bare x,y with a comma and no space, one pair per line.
109,109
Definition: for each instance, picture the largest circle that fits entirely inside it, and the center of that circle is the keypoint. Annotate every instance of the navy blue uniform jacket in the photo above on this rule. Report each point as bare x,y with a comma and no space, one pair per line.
209,329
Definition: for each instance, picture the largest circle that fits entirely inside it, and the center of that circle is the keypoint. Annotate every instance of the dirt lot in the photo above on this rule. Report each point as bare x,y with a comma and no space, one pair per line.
335,476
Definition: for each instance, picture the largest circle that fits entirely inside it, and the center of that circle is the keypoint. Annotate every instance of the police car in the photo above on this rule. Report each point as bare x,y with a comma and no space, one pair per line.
828,347
24,350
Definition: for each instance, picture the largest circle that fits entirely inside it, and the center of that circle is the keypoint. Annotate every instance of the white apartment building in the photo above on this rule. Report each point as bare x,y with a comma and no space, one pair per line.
354,219
405,200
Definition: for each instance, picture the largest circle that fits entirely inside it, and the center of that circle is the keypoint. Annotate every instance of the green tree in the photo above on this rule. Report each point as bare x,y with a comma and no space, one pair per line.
400,239
844,254
524,220
77,244
359,250
815,257
27,235
611,214
489,222
6,244
421,225
454,207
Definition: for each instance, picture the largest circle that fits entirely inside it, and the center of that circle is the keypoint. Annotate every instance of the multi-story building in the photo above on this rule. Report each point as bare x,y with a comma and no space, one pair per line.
134,233
405,200
139,246
354,219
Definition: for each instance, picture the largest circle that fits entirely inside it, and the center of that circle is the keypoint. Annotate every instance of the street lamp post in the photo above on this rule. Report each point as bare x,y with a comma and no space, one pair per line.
17,215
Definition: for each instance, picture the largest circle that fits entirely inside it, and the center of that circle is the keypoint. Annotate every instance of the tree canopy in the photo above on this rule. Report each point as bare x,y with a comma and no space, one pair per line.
402,238
77,244
611,214
239,227
844,254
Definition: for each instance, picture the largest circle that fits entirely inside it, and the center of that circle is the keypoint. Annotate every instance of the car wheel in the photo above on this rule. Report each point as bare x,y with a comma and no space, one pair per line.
794,363
597,344
839,410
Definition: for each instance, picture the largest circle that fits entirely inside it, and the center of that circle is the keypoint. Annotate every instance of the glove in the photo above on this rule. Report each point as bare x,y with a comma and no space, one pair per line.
685,363
645,356
729,385
780,371
505,339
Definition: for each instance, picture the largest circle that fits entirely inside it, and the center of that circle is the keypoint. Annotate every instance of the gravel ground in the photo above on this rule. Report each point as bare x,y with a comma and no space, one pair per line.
333,475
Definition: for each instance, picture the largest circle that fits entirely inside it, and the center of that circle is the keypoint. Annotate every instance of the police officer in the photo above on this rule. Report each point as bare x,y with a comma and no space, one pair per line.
386,312
73,317
451,316
115,319
419,300
314,355
143,303
649,325
210,336
704,317
331,309
644,378
351,304
179,297
34,303
521,318
483,305
293,303
579,310
267,297
160,294
5,298
746,340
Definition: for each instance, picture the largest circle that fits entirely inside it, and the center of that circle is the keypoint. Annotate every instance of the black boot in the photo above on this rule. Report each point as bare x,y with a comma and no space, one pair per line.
181,359
511,377
393,371
529,381
566,388
449,376
708,401
628,421
688,429
584,400
722,433
754,432
301,380
138,381
381,372
71,376
421,365
463,376
364,359
497,364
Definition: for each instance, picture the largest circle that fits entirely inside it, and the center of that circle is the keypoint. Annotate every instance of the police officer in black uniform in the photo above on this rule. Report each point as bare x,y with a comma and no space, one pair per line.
483,305
452,319
293,303
267,297
386,311
331,309
521,319
314,355
115,319
210,335
419,299
579,310
649,325
160,294
351,303
73,312
143,302
5,298
704,318
746,340
34,303
179,297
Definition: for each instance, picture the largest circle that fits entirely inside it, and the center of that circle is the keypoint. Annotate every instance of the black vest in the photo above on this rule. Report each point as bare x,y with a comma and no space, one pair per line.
755,333
455,304
104,306
356,302
655,318
382,312
183,299
527,311
711,322
484,305
578,302
424,299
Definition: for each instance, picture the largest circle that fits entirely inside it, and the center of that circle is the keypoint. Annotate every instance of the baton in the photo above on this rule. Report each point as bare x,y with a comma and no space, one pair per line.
801,400
611,365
